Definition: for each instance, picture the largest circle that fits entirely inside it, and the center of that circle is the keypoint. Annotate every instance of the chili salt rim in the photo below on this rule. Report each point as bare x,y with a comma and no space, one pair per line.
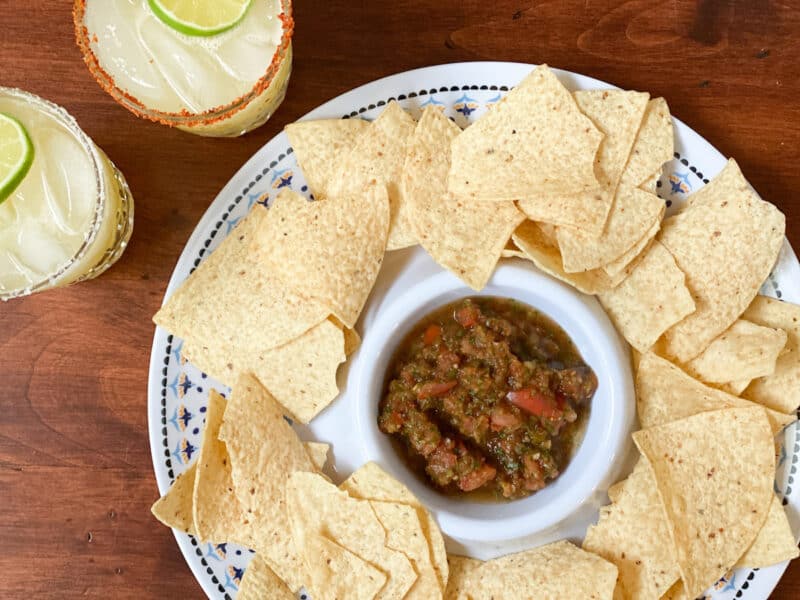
183,118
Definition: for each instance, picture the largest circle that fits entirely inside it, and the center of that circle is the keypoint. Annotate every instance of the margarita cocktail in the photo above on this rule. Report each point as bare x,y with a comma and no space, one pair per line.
66,213
210,67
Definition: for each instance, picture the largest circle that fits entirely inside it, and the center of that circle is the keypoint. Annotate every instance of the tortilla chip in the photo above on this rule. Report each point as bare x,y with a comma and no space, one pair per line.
317,453
264,450
370,482
632,533
462,570
260,582
304,384
404,533
336,573
676,592
216,512
511,251
538,143
716,494
734,387
464,236
351,341
376,159
329,250
775,542
174,509
743,351
233,303
664,393
318,147
781,390
633,214
542,249
726,241
317,507
653,147
552,572
617,114
650,300
631,257
651,183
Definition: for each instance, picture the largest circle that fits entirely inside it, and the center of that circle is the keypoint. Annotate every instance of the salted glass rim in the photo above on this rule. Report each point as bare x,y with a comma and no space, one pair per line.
61,114
183,118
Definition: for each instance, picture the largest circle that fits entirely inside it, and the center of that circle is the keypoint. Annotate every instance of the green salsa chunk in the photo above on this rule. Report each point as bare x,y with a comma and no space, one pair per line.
487,395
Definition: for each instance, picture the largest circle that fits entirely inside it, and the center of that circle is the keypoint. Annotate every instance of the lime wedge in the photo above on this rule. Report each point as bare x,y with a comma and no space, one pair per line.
200,17
16,155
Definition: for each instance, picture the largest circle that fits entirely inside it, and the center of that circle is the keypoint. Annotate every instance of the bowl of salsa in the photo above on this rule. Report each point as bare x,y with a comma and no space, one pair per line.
507,411
486,398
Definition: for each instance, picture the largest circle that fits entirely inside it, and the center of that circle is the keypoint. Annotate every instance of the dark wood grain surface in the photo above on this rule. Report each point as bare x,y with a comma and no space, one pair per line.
76,479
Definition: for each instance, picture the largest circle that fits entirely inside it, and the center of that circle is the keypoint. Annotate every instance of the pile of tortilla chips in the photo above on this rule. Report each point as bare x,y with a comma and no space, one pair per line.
255,483
566,180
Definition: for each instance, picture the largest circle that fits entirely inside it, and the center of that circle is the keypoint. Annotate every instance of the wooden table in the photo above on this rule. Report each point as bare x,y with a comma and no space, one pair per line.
76,479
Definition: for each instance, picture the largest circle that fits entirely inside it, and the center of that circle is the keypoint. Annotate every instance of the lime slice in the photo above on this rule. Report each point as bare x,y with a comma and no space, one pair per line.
16,155
200,17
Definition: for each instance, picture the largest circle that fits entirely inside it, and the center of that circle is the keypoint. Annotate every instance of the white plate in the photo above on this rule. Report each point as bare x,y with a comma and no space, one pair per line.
178,392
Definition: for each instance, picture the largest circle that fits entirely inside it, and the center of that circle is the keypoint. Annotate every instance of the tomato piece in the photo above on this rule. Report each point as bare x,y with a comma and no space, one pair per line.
428,390
467,316
431,335
534,402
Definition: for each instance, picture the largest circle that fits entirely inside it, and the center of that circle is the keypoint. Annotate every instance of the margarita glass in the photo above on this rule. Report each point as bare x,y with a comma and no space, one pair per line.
71,216
215,85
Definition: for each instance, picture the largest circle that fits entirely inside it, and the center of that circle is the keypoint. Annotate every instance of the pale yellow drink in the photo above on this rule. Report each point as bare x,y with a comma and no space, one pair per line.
221,85
71,216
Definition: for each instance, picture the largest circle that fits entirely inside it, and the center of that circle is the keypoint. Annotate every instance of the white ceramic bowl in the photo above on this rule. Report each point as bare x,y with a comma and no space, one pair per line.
561,507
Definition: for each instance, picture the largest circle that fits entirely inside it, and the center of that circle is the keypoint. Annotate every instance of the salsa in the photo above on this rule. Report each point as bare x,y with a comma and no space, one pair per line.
486,395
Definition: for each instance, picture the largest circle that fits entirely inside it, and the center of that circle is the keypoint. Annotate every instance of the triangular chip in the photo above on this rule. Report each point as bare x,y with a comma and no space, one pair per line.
617,114
464,236
716,494
781,390
632,215
775,542
651,183
462,570
336,573
538,143
216,512
664,393
318,453
631,257
632,533
304,384
233,304
653,146
329,250
174,509
726,240
319,146
317,507
542,249
260,582
650,300
370,482
676,592
743,351
553,572
735,387
376,159
264,450
404,533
